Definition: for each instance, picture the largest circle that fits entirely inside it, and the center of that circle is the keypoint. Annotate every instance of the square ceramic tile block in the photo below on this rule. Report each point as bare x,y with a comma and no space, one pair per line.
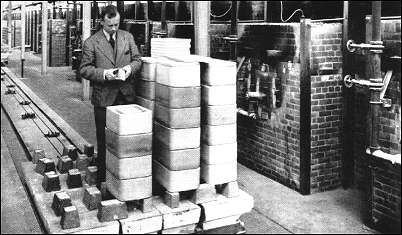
178,97
177,138
224,207
218,72
218,95
218,154
176,181
177,74
176,160
123,146
128,168
146,103
145,89
218,114
129,189
216,135
219,173
129,119
148,71
178,118
213,71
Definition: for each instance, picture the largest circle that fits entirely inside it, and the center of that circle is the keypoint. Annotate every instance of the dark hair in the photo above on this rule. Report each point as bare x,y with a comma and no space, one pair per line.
110,11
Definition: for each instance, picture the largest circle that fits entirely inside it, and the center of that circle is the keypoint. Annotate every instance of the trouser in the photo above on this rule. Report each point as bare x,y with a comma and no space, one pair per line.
100,123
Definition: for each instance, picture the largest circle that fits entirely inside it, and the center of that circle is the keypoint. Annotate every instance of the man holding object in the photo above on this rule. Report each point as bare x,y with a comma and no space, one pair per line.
110,61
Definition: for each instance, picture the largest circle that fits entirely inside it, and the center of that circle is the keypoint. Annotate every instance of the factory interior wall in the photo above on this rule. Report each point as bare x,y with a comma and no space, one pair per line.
379,177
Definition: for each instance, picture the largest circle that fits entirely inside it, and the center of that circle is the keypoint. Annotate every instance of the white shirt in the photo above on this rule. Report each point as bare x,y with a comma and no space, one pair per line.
107,35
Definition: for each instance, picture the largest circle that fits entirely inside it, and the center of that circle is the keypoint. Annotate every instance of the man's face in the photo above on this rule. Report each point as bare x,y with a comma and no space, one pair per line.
111,25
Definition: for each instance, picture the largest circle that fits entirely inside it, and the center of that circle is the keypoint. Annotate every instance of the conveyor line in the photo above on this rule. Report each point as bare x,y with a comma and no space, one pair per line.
42,122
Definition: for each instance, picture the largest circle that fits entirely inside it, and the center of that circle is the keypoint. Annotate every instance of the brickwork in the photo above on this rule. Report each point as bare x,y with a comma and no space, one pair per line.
272,147
326,46
326,106
386,196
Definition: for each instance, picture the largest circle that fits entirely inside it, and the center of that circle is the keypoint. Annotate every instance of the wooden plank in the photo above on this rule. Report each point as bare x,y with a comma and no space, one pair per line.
64,128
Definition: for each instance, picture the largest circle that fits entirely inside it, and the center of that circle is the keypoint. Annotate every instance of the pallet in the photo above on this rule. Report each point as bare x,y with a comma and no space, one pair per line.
43,201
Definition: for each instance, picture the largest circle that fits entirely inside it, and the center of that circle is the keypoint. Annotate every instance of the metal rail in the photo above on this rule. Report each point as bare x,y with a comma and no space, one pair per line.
42,122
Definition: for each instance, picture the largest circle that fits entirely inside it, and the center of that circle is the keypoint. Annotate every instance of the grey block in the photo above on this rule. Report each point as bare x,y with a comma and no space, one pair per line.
178,97
110,210
60,200
92,198
70,218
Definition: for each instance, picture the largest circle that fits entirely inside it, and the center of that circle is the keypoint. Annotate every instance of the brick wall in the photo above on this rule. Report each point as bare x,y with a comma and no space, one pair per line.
326,106
272,146
386,196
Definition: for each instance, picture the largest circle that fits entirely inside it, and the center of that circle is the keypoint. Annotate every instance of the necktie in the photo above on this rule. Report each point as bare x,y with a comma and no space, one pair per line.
111,41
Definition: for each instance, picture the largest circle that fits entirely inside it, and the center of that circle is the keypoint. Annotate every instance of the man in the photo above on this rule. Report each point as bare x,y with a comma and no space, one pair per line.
110,60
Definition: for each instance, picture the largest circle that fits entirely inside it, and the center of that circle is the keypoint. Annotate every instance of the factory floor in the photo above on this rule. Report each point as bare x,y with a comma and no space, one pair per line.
277,209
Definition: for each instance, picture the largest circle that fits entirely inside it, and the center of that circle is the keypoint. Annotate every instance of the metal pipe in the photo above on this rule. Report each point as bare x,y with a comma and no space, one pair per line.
22,37
245,113
44,37
374,69
9,25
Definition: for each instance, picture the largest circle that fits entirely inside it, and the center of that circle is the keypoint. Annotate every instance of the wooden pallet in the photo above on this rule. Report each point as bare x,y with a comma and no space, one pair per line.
43,201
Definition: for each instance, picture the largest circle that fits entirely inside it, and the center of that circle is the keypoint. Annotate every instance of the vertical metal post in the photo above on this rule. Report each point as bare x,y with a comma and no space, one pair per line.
147,40
233,30
176,10
163,17
374,74
44,37
305,106
136,9
86,33
347,154
201,26
120,9
9,26
22,37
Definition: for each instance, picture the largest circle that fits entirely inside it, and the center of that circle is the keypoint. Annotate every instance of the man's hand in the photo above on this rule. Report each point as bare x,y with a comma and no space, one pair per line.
110,74
127,70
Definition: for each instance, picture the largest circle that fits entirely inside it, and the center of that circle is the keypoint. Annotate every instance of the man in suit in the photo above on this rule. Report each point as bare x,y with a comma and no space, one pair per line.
110,61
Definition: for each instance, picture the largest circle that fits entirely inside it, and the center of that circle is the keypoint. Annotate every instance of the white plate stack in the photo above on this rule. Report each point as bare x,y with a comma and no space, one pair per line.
128,135
176,158
218,121
145,84
170,47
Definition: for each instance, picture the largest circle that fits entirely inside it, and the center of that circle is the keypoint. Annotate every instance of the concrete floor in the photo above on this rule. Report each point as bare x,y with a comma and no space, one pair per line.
277,209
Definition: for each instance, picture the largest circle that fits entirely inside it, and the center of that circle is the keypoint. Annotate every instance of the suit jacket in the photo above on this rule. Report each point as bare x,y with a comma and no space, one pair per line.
98,55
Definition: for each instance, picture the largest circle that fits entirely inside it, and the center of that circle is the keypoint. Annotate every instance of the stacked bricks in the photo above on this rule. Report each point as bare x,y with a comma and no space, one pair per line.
177,129
218,121
129,152
145,88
